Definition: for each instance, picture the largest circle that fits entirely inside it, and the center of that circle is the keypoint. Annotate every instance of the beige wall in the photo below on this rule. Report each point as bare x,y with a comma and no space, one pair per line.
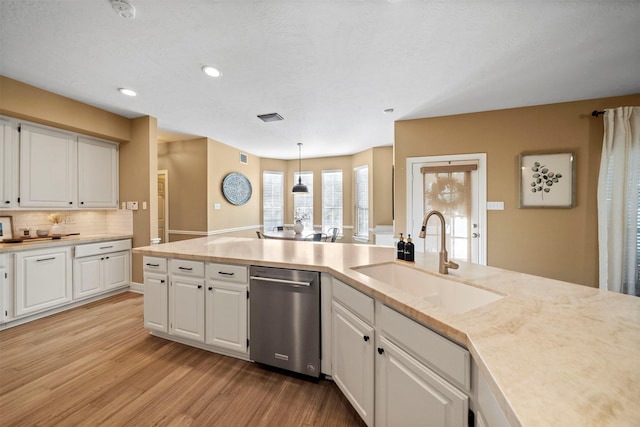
138,166
554,243
186,162
26,102
197,168
224,159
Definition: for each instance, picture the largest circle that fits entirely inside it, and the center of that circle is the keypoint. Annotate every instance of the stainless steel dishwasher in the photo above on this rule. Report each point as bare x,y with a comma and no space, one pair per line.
285,319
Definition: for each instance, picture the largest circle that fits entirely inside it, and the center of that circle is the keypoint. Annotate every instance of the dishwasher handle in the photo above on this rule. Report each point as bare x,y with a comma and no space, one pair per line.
281,281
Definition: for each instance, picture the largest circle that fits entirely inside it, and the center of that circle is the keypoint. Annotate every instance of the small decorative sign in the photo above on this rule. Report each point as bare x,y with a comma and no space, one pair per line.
547,180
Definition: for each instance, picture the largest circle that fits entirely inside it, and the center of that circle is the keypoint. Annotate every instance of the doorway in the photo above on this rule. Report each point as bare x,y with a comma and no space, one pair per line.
456,186
163,205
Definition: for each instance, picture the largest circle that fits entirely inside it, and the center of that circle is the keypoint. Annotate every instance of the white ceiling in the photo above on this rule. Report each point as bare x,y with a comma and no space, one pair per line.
328,67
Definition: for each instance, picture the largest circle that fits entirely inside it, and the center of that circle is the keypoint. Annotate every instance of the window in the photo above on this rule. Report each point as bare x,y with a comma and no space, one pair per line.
303,203
331,199
272,199
362,202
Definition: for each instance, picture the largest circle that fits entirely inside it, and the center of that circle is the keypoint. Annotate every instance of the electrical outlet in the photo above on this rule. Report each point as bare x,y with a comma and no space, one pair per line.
69,219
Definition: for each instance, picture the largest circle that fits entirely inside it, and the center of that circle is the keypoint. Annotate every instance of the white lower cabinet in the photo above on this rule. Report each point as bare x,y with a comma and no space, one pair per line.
394,371
156,300
210,311
186,299
95,274
353,358
226,316
43,279
410,394
186,308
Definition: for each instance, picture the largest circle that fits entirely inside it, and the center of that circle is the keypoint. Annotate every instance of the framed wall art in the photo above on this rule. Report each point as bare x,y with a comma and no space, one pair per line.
547,180
6,228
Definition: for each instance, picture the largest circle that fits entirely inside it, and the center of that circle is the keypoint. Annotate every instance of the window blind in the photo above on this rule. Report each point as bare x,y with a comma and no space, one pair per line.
362,202
331,199
272,199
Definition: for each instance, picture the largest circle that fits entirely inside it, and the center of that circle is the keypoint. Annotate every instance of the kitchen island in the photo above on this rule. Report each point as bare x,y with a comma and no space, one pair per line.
552,353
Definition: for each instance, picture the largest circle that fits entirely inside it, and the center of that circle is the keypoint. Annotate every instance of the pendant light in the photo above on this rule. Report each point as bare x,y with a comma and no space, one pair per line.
299,188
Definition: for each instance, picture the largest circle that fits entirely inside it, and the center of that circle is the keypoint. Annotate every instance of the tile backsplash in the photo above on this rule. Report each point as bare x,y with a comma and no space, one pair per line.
83,222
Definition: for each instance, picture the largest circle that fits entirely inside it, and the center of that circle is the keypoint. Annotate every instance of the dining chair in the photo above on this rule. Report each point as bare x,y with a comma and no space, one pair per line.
333,233
259,234
278,228
316,237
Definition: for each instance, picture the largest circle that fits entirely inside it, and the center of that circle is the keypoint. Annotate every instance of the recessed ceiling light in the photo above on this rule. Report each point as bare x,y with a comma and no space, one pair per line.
128,92
211,71
388,111
123,9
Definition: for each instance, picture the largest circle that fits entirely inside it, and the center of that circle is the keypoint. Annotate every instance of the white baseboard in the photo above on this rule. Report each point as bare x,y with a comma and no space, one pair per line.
136,287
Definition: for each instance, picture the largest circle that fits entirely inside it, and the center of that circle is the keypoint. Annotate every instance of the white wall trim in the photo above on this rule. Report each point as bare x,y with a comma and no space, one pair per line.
215,232
136,287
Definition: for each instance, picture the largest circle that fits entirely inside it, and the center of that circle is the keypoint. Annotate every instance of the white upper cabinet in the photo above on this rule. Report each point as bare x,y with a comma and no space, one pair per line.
47,168
97,174
8,165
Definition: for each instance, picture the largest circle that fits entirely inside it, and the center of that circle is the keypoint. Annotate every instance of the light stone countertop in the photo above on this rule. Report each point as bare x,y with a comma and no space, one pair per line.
553,353
28,245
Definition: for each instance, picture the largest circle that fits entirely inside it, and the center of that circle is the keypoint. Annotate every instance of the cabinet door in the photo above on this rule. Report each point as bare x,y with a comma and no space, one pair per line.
410,394
226,316
87,277
47,168
8,165
43,280
186,308
97,174
352,360
3,284
115,270
156,308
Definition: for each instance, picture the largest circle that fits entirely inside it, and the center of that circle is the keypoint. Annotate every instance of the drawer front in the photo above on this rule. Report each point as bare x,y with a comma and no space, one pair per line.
183,267
227,272
359,303
102,248
155,264
445,357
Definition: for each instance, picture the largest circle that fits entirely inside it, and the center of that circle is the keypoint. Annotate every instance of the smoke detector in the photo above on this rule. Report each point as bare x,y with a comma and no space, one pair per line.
124,9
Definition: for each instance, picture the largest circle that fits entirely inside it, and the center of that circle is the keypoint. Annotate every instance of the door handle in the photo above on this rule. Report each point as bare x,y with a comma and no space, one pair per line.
475,235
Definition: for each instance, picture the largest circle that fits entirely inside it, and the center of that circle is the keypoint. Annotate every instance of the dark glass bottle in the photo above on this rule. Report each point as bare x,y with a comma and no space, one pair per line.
401,247
409,249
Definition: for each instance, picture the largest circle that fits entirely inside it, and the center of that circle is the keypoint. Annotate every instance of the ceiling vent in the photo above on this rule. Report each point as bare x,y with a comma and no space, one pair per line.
123,9
272,117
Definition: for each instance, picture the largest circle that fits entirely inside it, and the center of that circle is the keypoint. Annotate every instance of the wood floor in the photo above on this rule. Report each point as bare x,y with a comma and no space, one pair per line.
96,365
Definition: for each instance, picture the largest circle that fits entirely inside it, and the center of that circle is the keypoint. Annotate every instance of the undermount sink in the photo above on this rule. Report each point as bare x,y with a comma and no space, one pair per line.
450,295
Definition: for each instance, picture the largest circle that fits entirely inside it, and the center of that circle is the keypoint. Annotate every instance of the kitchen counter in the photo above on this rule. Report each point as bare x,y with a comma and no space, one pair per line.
553,353
28,245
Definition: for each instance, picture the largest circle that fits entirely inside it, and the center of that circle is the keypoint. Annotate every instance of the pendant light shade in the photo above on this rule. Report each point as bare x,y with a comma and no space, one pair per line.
299,188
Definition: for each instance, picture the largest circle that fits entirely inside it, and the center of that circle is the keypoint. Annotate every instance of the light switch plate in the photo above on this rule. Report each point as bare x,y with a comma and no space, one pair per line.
495,206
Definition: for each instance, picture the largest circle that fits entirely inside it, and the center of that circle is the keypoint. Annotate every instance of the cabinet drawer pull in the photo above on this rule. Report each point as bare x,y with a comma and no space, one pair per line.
161,281
210,288
8,201
224,273
185,268
45,259
152,265
199,286
106,247
380,350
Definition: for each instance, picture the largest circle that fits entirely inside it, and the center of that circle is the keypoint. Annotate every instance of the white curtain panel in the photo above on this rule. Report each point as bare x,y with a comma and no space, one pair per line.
618,192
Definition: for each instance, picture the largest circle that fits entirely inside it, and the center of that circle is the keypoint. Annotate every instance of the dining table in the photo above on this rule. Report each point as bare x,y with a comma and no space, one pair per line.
286,234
